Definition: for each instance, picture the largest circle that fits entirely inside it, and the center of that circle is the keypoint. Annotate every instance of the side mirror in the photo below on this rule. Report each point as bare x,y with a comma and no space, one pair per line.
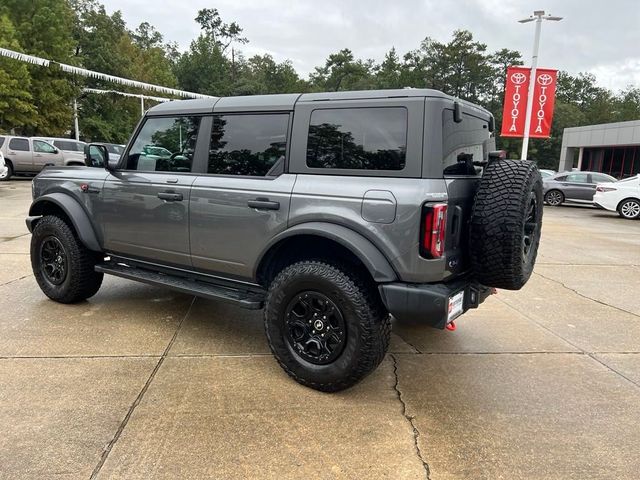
55,150
98,156
112,163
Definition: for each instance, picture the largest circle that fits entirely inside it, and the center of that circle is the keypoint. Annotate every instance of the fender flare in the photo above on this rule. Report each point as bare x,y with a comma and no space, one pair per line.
370,255
75,212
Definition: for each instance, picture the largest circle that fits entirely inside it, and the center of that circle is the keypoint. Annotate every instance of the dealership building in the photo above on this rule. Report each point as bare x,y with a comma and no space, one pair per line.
611,148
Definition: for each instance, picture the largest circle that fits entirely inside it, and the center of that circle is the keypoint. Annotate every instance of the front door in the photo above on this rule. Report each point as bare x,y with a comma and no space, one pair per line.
145,202
45,154
243,201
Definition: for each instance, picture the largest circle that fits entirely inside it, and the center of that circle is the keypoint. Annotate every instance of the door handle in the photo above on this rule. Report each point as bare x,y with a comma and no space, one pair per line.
170,196
263,204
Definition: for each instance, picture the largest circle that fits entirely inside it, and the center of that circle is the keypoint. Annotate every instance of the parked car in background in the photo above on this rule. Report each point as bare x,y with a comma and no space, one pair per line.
622,197
27,156
72,150
3,166
546,173
576,187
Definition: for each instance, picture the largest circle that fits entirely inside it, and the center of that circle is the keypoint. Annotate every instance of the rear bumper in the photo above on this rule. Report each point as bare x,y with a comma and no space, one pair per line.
429,303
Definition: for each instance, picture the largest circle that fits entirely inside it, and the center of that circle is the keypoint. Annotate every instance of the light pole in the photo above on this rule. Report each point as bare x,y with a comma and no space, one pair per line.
538,16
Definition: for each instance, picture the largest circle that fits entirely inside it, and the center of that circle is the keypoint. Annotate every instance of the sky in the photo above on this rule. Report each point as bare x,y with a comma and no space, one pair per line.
596,36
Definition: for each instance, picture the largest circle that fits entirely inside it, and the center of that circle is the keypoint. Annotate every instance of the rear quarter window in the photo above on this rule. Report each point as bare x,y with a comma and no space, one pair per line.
19,144
370,138
1,141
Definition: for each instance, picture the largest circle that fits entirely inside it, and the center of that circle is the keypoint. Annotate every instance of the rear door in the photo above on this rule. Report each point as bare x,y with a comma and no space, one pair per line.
19,152
144,206
243,199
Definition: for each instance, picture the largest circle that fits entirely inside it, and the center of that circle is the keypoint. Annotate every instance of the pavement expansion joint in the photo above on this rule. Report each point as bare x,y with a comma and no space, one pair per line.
582,295
417,350
63,357
15,280
596,359
136,402
582,351
416,432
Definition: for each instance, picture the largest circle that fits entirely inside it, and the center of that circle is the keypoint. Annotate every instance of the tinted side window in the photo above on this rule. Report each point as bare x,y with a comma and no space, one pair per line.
247,144
69,146
43,147
1,141
164,144
19,144
358,138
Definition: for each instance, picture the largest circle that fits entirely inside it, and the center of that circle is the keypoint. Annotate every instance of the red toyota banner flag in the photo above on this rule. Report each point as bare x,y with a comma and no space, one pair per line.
515,101
544,95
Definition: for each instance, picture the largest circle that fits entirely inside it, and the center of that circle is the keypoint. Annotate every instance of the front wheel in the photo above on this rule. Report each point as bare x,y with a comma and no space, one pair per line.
62,265
325,325
629,209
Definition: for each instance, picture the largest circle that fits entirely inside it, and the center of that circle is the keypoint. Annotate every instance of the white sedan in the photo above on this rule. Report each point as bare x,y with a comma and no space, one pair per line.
622,197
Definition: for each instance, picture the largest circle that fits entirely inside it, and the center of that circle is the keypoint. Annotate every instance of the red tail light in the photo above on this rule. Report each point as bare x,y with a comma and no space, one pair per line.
605,189
434,223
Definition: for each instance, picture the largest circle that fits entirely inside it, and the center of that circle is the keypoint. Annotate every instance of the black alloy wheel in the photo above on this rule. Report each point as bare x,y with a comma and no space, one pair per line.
315,328
53,260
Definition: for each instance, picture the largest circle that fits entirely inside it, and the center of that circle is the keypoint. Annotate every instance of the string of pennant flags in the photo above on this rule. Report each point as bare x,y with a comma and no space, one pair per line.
43,62
125,94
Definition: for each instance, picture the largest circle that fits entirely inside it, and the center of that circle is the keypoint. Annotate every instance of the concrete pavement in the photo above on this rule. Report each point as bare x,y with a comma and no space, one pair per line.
140,382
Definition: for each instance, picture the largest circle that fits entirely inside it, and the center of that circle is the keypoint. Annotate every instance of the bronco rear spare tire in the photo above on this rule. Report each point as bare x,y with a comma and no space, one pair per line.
505,224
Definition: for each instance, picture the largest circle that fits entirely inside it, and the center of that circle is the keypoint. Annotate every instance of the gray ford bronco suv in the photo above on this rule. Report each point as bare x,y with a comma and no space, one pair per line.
332,211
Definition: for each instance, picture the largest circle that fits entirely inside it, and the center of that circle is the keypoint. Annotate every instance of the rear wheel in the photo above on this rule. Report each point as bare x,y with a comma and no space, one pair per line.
629,209
325,325
554,198
506,223
62,265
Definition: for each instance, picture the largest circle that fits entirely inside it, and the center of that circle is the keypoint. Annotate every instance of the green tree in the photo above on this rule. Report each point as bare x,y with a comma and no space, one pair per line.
342,72
261,74
16,103
389,73
44,28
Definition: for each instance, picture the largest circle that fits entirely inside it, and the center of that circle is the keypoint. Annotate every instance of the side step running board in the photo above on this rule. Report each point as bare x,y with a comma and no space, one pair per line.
242,298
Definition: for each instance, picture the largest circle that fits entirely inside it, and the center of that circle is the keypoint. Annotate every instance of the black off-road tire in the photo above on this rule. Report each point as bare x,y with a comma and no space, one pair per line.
506,223
80,281
9,174
368,326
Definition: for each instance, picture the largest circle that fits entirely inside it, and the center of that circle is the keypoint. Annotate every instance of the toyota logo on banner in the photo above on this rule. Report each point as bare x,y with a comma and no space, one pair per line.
517,87
519,78
545,79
